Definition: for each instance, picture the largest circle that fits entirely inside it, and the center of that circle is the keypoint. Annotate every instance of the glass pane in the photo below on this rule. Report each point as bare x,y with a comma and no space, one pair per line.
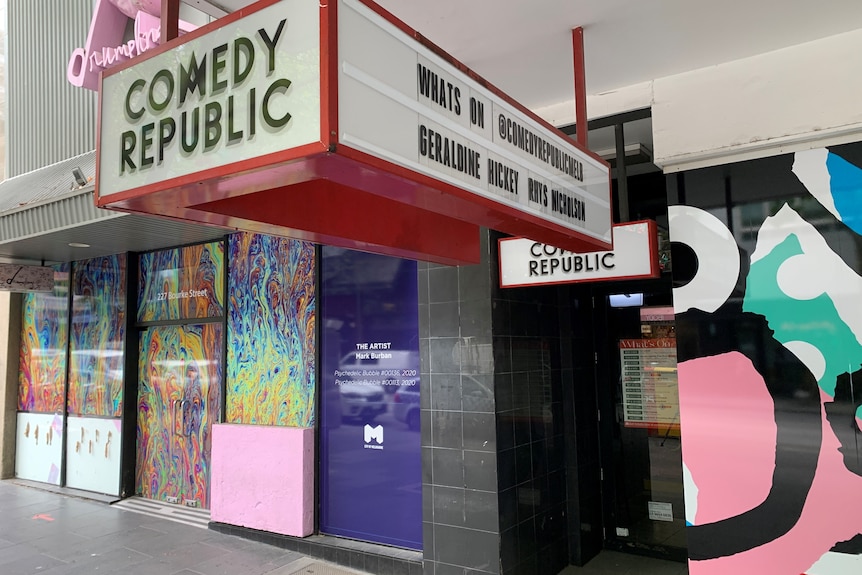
181,283
44,337
271,353
649,511
371,470
97,337
178,401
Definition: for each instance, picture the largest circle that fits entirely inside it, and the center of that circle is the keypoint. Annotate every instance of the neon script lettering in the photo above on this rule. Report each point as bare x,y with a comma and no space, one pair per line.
106,46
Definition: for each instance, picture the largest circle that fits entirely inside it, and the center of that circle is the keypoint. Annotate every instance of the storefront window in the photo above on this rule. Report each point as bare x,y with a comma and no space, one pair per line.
182,283
180,371
44,341
271,331
97,337
370,445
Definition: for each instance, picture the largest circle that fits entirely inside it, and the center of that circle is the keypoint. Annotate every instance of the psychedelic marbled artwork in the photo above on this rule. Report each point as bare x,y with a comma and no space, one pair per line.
179,399
44,341
181,283
271,331
97,334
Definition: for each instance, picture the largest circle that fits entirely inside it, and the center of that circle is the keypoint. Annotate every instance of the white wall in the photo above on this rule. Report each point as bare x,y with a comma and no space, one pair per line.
10,335
805,96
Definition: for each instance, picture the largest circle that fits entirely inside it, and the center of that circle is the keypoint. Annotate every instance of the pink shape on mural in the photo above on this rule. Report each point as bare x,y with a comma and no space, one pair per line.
729,438
831,512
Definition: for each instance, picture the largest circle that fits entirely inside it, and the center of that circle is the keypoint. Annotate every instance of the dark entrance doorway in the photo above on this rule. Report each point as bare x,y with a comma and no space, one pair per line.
626,461
640,454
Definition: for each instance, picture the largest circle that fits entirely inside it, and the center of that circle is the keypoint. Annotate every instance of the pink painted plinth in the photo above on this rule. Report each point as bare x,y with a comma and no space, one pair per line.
263,478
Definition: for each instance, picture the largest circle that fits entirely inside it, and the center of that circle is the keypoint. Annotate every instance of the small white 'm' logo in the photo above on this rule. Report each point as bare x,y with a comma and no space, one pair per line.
375,433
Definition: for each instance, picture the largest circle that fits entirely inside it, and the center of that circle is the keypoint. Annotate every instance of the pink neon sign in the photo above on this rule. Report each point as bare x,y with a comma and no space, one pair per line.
106,45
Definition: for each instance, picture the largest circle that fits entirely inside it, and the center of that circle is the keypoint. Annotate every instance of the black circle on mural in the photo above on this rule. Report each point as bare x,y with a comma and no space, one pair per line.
684,262
796,405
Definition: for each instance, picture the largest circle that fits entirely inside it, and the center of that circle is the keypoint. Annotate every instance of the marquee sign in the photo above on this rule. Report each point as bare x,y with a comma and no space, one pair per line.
331,122
234,94
402,102
524,262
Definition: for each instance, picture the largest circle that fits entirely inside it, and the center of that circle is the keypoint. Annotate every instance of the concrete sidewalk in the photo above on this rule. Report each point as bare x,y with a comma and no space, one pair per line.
42,532
53,534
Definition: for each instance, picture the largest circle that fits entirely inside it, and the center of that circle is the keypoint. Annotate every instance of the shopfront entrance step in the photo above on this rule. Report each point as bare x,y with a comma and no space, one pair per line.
172,512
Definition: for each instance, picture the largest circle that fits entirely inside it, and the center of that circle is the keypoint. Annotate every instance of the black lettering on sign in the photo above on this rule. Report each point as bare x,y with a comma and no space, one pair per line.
167,129
209,124
502,176
146,144
212,125
189,130
537,191
192,78
477,112
439,90
568,206
448,152
129,141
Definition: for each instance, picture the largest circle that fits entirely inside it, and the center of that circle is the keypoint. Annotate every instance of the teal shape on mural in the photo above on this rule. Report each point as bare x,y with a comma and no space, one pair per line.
815,321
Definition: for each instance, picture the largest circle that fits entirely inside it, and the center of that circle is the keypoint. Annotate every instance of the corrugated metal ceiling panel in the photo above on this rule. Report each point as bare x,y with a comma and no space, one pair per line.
42,212
45,183
116,233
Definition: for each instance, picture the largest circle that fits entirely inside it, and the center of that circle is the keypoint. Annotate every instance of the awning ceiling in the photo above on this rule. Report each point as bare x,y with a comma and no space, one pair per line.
43,211
524,47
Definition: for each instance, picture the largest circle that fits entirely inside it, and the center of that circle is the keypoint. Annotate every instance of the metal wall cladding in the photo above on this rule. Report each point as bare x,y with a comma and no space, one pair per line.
47,118
51,216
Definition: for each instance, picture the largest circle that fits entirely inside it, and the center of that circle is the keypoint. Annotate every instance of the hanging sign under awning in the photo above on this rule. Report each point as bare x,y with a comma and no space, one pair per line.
17,278
525,262
335,122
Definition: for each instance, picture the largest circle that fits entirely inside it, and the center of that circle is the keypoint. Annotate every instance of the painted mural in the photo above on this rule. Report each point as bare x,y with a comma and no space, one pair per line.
271,331
769,372
181,283
44,341
97,335
178,402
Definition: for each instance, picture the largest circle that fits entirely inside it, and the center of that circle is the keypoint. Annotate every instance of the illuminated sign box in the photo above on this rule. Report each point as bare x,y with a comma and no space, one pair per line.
332,123
526,262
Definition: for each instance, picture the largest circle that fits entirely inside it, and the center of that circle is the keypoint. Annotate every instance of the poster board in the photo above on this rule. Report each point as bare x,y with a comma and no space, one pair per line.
648,372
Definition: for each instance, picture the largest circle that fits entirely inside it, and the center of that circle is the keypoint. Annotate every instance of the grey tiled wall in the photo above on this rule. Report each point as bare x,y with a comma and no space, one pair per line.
499,483
530,429
459,444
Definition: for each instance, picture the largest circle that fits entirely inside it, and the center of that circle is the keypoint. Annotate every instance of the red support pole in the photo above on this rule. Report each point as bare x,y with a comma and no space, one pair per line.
580,86
170,20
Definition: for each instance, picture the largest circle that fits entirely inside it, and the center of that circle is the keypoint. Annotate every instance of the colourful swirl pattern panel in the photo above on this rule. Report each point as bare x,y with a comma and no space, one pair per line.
44,337
178,402
97,335
182,283
271,330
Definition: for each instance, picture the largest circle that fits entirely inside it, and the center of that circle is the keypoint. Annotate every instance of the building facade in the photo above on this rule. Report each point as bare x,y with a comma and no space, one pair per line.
425,419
